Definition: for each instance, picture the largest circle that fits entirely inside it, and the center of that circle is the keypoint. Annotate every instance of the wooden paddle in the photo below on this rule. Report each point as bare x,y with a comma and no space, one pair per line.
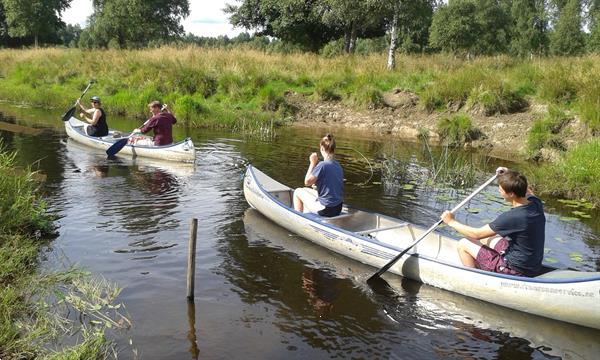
67,115
385,268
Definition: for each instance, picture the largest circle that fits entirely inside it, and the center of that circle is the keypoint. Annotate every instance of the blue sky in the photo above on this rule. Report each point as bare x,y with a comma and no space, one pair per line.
206,18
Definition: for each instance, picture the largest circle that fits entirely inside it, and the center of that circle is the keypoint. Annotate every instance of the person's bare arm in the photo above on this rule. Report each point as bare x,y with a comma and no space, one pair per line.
309,178
466,230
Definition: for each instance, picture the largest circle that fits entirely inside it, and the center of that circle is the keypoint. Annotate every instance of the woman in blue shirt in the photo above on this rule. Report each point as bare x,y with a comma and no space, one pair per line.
328,176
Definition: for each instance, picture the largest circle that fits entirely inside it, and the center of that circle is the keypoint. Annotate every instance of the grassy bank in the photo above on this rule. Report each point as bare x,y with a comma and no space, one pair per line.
35,306
236,87
246,90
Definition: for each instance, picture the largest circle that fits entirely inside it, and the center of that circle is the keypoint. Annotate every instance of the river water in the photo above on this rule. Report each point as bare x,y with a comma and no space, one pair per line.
261,292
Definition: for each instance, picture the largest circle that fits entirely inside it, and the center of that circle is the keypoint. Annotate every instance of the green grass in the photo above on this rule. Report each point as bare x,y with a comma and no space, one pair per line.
33,304
223,87
575,175
546,132
456,130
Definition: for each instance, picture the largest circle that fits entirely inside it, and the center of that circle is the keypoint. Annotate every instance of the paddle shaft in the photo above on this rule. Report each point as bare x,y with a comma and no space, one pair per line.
456,208
67,115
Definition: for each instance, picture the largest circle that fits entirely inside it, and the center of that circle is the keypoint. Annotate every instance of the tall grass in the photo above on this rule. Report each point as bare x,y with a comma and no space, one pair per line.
575,175
545,132
235,84
34,306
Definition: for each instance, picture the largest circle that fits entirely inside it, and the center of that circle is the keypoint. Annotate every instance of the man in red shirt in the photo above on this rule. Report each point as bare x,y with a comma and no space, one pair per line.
161,123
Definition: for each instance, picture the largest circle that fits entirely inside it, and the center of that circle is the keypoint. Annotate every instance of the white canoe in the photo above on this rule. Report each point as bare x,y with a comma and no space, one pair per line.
374,239
180,151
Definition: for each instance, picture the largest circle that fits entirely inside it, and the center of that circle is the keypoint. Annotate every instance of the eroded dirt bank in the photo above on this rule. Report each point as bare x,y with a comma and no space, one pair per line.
503,135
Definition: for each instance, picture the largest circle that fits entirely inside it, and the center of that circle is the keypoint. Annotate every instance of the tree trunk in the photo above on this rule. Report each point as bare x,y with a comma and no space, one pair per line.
391,63
352,46
347,41
35,41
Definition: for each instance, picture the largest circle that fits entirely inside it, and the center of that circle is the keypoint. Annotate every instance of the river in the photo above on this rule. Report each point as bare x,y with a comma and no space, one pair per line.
261,292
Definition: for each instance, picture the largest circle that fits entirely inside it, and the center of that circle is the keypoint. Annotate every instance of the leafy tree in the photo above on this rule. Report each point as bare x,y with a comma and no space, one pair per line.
33,17
355,18
568,39
134,23
471,26
594,25
530,26
69,35
296,21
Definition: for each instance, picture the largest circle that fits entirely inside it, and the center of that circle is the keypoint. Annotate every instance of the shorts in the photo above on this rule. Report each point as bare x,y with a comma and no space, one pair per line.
489,259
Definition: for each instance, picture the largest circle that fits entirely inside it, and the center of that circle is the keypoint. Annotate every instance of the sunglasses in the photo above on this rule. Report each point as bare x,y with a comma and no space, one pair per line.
95,102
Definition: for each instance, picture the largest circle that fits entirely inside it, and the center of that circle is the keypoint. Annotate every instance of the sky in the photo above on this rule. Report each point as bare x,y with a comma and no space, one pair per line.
206,17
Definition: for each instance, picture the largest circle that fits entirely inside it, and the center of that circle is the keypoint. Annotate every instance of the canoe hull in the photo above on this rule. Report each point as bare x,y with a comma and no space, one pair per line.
573,298
181,151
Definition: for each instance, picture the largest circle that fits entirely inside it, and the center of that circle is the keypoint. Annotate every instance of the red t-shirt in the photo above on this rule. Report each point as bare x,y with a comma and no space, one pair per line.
162,124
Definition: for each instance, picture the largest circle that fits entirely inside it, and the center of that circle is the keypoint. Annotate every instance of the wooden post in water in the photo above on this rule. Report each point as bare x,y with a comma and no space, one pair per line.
191,270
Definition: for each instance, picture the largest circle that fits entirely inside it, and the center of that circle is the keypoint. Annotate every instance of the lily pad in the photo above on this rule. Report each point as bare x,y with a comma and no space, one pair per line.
559,239
409,196
444,197
547,250
575,256
408,186
567,218
550,260
473,210
376,183
581,214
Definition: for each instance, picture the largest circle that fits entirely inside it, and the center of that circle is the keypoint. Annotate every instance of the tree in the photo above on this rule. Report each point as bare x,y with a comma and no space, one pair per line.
530,26
134,23
33,17
594,25
354,18
296,21
471,26
568,39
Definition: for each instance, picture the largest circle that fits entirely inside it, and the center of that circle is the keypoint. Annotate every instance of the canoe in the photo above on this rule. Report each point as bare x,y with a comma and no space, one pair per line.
374,239
180,151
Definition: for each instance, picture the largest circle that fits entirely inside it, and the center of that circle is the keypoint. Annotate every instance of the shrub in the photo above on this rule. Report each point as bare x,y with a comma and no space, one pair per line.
369,97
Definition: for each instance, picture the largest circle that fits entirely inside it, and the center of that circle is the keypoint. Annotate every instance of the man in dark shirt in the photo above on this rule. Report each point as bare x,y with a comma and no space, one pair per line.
161,123
519,248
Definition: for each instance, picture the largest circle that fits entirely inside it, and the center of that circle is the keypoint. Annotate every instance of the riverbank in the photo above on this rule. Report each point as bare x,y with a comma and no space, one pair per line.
35,305
518,108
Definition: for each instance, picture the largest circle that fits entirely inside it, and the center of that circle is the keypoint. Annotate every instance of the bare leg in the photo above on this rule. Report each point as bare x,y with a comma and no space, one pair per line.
467,251
298,205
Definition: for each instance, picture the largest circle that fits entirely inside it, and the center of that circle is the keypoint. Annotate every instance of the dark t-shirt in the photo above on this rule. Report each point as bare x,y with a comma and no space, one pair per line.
101,127
330,182
162,124
525,227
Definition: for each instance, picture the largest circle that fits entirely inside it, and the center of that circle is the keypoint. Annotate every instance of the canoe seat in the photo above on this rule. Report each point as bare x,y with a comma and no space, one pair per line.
370,231
340,216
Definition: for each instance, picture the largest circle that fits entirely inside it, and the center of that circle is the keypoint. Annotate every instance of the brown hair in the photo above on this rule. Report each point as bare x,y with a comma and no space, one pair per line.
513,182
155,103
328,143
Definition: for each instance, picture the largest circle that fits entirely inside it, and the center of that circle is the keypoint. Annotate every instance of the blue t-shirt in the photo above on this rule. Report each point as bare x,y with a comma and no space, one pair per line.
525,227
330,182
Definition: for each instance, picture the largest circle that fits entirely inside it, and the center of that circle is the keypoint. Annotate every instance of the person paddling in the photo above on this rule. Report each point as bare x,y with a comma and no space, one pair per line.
512,244
161,123
328,175
96,117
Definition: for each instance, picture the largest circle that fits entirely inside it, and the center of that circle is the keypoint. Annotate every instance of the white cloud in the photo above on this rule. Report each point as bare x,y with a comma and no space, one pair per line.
206,17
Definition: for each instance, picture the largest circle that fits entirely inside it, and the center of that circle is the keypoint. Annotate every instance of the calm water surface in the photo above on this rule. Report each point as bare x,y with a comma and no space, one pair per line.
261,292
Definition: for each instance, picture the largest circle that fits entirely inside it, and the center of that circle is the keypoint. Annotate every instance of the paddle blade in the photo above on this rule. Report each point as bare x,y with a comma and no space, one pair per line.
66,116
116,147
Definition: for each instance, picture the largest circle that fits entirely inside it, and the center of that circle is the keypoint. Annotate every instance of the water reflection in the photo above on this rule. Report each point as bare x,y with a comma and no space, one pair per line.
455,326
